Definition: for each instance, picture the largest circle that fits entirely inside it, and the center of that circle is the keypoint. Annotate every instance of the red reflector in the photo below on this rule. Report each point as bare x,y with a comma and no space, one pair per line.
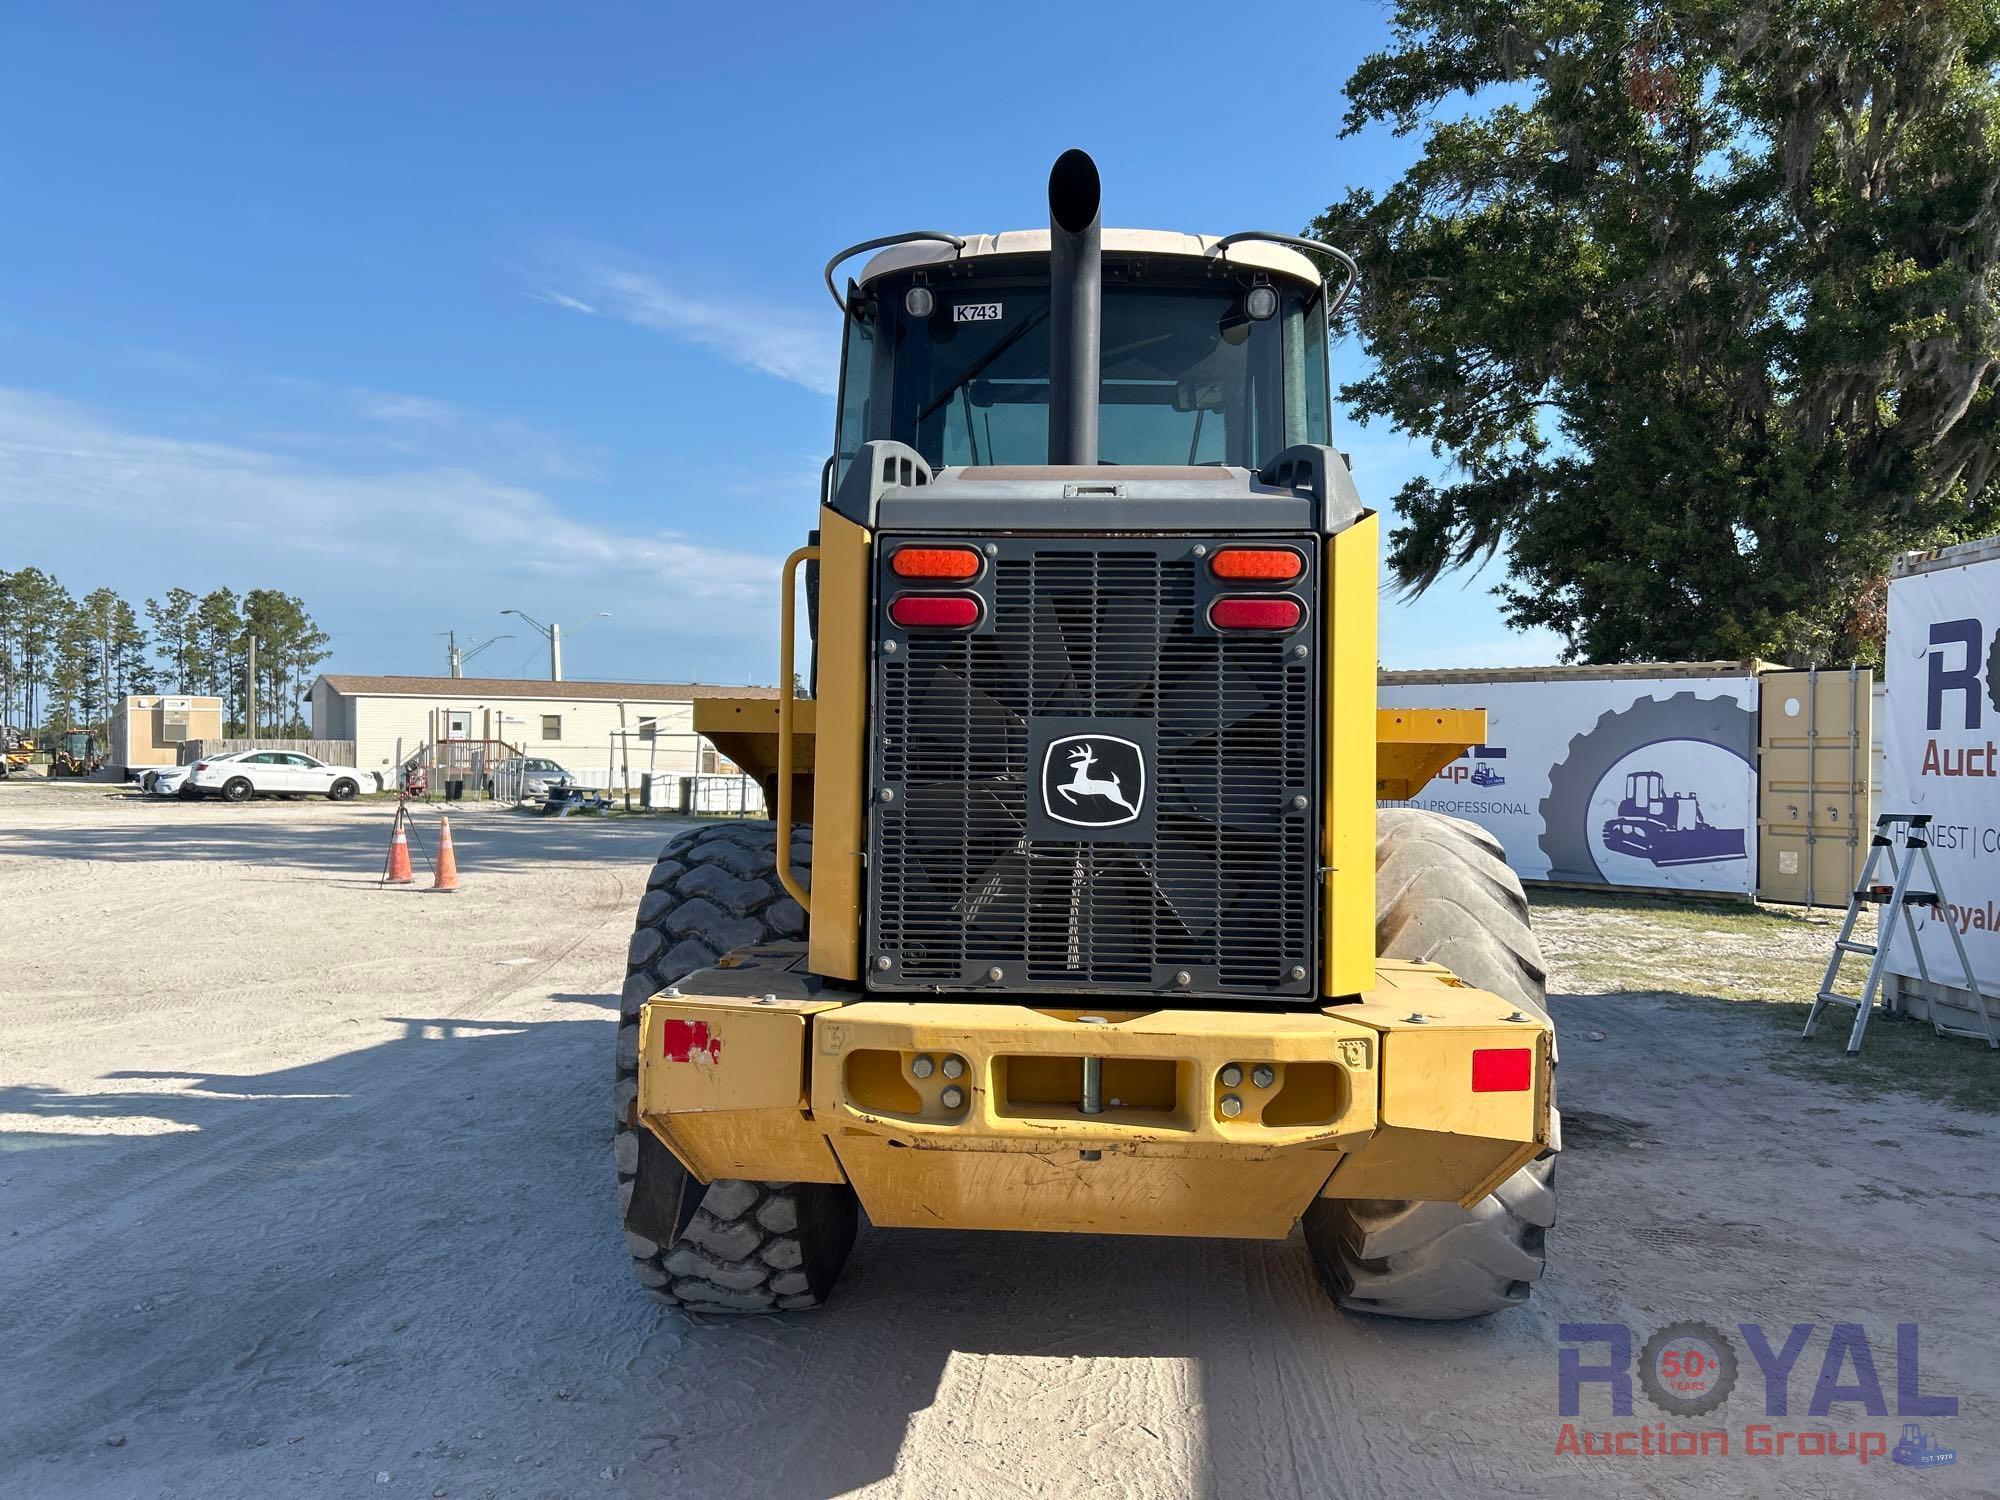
937,611
1502,1070
935,562
1255,614
1265,564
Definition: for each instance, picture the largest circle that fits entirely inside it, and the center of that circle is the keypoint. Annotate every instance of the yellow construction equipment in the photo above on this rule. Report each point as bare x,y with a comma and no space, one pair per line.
74,752
1078,912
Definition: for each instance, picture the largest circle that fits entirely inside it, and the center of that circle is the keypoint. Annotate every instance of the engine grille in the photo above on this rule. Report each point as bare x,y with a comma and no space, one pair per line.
1218,882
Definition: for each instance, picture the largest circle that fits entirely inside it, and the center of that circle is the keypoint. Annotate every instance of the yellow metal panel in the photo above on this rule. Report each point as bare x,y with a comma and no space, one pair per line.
758,1145
1119,1193
722,1083
1439,1139
709,1054
746,730
1413,744
1397,1162
865,1078
1347,836
839,795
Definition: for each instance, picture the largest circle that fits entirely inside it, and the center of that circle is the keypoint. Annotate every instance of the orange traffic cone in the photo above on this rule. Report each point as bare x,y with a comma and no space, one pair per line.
447,862
399,857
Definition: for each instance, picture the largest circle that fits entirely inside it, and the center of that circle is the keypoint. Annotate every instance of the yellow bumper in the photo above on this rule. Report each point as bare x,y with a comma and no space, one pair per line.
1190,1122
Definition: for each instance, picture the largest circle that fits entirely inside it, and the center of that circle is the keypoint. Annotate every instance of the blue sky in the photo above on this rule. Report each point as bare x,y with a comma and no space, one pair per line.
426,311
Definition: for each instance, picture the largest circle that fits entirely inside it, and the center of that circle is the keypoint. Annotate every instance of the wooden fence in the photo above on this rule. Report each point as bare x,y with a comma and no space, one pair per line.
334,752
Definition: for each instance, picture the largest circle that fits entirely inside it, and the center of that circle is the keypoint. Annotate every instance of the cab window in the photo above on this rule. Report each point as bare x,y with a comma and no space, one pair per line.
1188,377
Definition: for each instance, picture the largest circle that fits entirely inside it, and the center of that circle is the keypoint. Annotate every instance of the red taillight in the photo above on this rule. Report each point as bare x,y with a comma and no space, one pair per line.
1263,564
1255,614
201,765
935,611
1502,1070
935,562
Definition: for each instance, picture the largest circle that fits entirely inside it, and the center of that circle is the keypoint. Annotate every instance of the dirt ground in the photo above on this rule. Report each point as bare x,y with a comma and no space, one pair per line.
305,1189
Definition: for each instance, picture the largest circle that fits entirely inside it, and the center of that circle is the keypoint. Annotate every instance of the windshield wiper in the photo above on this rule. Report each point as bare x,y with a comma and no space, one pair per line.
979,368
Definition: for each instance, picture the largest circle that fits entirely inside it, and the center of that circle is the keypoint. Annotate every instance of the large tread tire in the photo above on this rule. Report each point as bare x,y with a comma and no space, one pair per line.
1444,894
731,1246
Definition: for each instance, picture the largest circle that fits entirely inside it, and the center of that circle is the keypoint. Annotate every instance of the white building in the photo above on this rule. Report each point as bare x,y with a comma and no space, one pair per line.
589,728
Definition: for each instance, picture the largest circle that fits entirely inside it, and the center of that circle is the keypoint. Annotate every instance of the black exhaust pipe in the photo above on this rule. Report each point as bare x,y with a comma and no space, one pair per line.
1076,307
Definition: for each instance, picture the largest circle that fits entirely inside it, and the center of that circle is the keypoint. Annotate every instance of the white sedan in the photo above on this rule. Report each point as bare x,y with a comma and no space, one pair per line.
172,781
278,773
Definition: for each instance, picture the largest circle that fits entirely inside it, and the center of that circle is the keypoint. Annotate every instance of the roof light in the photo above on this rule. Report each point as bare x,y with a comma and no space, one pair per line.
1255,614
1261,302
1265,564
935,562
920,301
1502,1070
935,611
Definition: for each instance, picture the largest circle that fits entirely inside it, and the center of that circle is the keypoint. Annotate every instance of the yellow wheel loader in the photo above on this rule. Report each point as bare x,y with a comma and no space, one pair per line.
74,753
1078,912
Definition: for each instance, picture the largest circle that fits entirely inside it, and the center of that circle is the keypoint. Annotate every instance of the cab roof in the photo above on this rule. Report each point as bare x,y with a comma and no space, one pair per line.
1279,260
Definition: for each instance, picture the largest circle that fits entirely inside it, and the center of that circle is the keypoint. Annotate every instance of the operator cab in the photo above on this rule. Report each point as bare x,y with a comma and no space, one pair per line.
1213,352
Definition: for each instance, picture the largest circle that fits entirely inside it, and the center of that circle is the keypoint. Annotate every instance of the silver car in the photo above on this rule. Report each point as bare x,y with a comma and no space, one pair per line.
530,776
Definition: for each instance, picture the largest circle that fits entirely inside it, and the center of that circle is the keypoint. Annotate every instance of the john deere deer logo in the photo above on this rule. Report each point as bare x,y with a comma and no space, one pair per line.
1106,782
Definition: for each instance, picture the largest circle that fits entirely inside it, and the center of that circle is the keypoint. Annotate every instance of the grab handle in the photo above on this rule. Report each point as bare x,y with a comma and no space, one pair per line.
787,623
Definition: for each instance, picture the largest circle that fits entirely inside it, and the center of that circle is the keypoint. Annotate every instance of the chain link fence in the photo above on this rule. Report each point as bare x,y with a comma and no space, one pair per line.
662,771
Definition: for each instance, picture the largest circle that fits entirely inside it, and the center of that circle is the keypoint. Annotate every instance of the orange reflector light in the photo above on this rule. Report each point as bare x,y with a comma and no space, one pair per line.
1263,564
935,562
1502,1070
1255,614
935,611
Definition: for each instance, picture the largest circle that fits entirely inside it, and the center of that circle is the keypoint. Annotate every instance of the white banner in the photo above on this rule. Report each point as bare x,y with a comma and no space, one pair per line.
1938,735
1645,782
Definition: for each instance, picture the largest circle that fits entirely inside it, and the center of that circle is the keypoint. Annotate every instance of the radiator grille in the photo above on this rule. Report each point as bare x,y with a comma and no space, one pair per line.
1222,885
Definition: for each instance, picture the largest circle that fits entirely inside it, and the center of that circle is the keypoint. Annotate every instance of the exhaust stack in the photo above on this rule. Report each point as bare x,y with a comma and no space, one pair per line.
1076,305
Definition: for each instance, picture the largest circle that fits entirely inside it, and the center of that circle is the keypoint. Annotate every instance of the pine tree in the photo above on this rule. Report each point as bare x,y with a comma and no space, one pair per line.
174,636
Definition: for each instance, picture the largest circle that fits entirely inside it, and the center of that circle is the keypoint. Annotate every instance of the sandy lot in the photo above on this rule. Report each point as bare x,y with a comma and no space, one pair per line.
305,1189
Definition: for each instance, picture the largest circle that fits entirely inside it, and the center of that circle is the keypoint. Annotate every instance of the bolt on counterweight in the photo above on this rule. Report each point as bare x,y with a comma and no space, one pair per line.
1093,1073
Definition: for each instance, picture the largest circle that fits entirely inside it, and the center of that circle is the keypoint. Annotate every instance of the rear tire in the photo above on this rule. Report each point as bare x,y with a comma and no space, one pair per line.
1444,894
238,790
729,1246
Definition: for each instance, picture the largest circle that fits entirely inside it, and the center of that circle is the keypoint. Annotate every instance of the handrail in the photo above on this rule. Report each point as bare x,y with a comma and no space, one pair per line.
787,624
888,239
1312,247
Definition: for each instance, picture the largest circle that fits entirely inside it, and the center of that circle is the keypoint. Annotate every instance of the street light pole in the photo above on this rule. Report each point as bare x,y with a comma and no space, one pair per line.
552,633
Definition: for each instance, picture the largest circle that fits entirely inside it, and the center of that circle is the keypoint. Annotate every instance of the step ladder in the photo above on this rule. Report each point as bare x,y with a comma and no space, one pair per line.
1897,899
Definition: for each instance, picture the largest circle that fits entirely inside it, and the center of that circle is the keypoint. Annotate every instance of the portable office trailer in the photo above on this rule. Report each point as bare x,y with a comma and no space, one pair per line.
148,730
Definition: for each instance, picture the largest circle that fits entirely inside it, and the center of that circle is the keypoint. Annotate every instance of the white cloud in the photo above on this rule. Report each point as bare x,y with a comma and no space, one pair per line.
390,554
563,299
786,342
394,406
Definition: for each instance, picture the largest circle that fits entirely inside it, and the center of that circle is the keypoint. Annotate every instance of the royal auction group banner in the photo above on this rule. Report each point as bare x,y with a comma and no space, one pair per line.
1642,782
1939,730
